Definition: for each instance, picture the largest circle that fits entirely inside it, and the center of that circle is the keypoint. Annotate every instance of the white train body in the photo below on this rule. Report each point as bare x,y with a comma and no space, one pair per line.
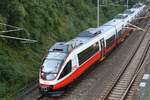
66,61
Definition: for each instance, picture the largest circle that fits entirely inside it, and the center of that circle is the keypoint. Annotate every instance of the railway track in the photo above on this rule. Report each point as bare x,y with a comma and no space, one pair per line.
129,75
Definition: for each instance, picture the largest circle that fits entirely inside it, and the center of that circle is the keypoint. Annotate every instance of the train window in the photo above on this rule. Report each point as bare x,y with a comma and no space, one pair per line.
66,70
119,33
110,40
87,53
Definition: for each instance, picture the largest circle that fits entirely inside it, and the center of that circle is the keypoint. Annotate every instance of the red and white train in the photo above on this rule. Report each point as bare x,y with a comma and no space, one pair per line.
66,61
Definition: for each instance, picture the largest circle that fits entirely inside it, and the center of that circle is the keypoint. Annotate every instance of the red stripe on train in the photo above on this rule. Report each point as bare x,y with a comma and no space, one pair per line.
78,72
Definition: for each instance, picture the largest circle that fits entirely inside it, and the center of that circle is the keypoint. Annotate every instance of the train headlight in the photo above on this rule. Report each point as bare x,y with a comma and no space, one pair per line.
43,76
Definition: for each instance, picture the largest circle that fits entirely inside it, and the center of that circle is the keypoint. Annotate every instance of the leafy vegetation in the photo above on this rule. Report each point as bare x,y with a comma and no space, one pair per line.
47,21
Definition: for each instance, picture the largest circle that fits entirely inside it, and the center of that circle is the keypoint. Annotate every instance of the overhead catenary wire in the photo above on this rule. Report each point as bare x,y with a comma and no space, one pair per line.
136,27
8,31
10,26
17,38
16,29
143,17
133,28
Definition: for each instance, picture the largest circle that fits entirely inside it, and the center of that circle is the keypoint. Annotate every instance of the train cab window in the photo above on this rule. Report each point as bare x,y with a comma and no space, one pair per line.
67,69
87,53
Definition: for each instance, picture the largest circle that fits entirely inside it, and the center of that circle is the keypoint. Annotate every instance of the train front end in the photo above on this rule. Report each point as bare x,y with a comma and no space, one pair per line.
50,69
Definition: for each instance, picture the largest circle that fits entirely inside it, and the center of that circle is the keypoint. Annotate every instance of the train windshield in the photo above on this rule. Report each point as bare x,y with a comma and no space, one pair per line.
52,64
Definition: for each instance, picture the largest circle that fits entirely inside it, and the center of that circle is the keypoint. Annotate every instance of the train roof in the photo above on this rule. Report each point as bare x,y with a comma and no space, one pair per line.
60,47
105,29
91,32
113,22
84,37
121,16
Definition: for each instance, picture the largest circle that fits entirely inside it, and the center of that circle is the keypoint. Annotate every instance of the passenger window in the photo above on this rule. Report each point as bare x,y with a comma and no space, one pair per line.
87,53
119,33
110,41
67,69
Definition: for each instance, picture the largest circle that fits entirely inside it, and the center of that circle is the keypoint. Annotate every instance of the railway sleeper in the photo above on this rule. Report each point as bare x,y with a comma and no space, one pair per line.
130,73
129,98
127,75
124,81
115,95
119,85
116,92
113,98
119,88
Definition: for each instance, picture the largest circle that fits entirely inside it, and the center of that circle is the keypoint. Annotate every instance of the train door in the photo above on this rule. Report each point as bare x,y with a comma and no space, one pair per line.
74,63
116,35
102,44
